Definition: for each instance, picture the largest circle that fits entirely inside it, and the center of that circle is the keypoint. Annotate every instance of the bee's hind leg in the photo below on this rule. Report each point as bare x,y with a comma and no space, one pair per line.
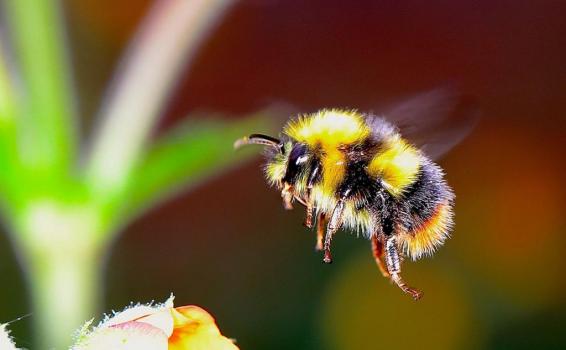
377,249
394,267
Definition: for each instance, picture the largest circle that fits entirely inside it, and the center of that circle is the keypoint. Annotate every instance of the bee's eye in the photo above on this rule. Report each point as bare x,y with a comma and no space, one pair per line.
297,157
298,154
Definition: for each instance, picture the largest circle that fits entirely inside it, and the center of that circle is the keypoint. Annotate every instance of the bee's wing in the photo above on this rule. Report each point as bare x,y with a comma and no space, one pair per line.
435,121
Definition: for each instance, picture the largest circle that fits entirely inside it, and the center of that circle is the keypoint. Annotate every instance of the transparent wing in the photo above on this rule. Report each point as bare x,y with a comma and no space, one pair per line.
435,121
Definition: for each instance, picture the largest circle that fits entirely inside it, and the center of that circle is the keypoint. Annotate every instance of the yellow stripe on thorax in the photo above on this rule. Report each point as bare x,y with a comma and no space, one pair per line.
397,164
327,131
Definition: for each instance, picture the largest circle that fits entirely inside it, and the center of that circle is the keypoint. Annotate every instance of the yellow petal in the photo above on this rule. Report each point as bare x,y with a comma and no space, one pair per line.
195,329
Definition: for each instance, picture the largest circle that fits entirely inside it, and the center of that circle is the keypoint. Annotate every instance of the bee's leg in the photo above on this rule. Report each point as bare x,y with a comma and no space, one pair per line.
377,249
320,224
310,207
287,195
333,226
314,174
394,267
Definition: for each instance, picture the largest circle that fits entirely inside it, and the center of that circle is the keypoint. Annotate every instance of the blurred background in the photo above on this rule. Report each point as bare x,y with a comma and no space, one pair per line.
230,247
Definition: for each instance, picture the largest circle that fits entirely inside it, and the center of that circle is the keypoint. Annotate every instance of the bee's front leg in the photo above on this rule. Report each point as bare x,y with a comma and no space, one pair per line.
288,194
333,226
394,267
310,208
313,176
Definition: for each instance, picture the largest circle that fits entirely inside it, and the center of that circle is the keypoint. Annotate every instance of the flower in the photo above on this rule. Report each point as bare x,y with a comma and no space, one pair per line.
155,327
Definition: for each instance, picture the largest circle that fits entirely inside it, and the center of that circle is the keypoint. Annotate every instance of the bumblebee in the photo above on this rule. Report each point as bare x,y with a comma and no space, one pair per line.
361,172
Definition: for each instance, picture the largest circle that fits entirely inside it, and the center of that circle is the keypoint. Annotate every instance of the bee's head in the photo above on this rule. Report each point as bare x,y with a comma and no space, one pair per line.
286,164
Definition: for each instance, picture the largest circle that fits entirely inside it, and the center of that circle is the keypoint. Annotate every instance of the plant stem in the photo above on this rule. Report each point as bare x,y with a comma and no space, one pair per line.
167,41
47,119
65,294
62,259
60,229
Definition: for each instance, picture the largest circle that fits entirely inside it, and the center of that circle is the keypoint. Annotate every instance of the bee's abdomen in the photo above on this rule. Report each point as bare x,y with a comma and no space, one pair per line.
396,164
425,213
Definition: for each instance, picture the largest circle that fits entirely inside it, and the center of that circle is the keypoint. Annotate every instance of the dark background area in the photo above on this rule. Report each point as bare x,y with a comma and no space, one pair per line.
230,247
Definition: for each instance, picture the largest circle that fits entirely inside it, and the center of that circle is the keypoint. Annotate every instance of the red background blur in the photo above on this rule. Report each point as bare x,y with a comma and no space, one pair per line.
229,246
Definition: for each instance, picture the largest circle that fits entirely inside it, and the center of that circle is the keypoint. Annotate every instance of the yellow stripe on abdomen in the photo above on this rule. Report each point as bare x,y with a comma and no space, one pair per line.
396,164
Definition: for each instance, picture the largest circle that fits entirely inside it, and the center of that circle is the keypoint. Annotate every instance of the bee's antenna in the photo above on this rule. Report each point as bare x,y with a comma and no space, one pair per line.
259,139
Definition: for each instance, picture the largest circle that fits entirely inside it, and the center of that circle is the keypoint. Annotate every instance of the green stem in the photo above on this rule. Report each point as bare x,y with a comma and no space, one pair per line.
65,294
166,42
62,259
47,124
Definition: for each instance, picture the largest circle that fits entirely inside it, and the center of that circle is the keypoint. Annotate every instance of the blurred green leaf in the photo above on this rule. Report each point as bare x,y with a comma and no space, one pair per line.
192,152
7,102
8,151
48,126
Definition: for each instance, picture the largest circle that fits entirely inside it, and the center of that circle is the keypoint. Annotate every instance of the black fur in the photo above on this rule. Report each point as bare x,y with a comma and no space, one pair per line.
412,209
423,197
358,183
